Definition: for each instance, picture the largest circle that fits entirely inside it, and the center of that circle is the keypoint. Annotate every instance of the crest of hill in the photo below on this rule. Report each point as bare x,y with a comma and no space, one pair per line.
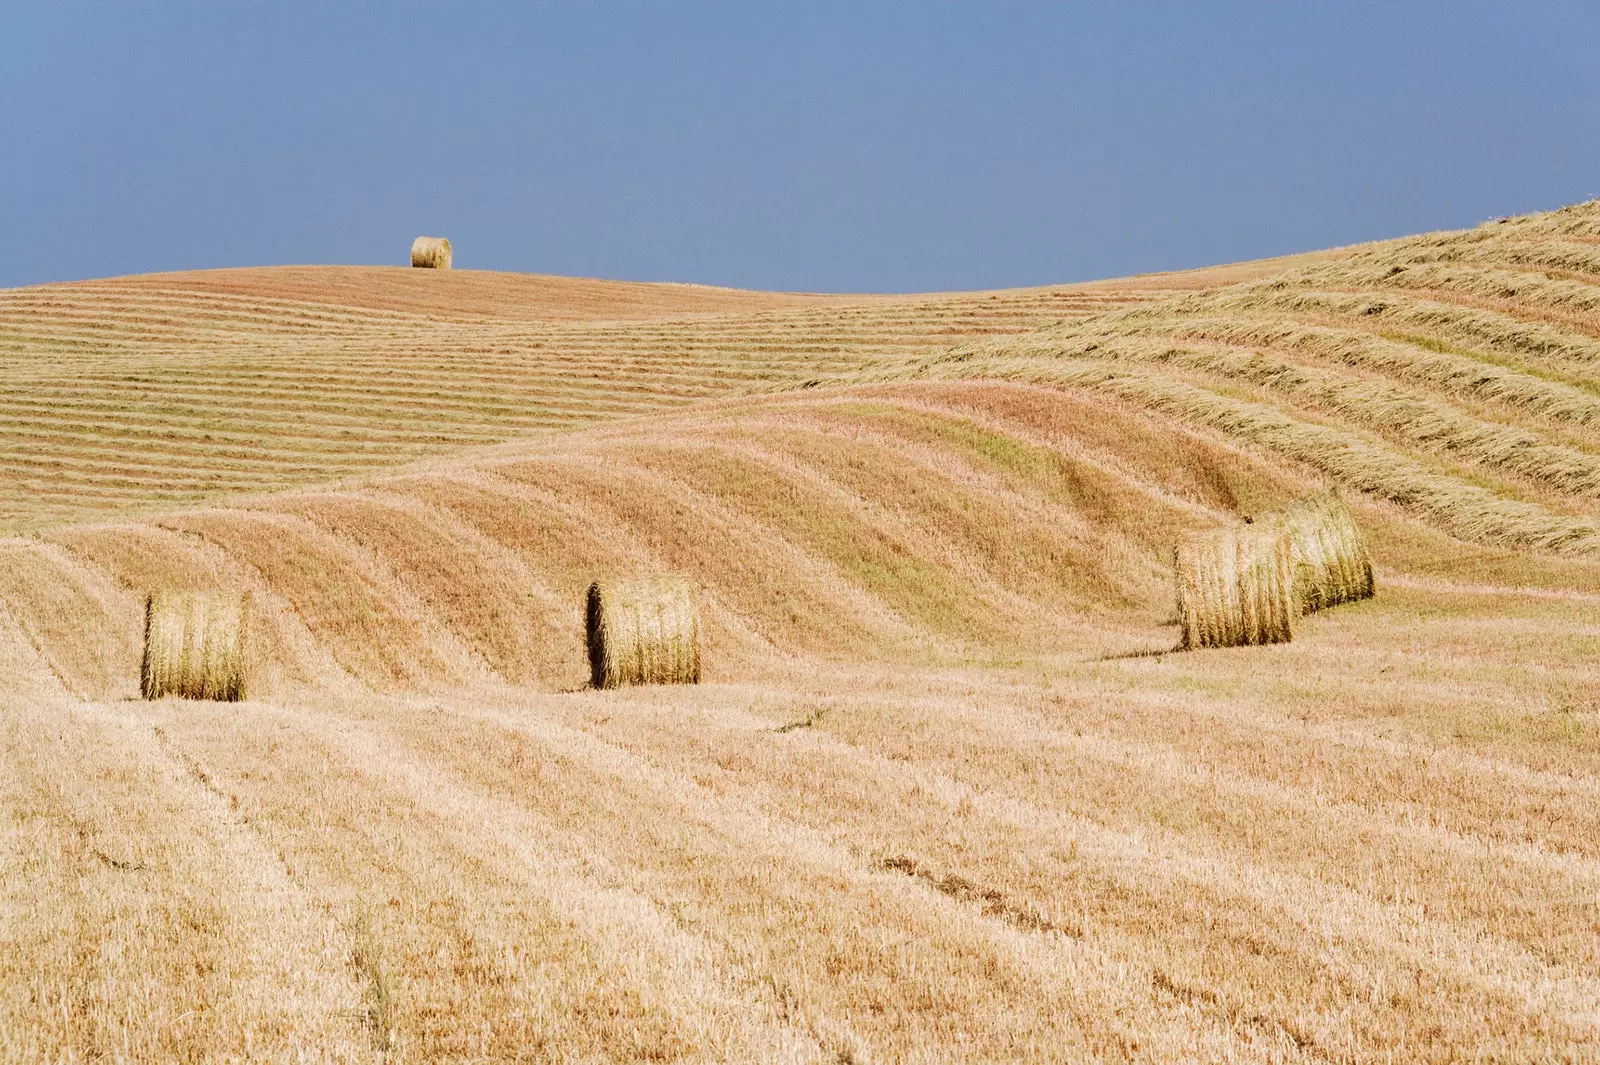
460,293
551,297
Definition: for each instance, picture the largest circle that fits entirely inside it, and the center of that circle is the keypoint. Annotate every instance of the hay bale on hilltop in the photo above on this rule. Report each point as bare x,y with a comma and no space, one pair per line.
432,253
1236,586
196,645
643,632
1331,562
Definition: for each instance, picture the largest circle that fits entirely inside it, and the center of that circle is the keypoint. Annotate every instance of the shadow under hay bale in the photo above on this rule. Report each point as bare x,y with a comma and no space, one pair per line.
431,253
642,632
1331,562
1235,587
196,646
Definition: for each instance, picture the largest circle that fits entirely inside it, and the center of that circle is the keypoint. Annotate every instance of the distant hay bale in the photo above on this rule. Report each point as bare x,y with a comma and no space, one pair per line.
432,253
196,645
1331,563
1236,586
643,632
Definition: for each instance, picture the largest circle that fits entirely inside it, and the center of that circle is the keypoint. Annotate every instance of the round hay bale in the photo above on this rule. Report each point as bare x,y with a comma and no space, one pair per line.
196,645
431,253
1235,587
1331,561
642,632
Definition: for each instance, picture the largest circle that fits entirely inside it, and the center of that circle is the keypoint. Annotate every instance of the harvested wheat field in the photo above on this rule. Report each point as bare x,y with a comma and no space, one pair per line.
946,789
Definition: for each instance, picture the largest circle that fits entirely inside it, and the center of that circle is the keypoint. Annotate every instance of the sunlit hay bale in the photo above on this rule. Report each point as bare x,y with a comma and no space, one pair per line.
196,645
1331,562
643,632
1236,586
432,253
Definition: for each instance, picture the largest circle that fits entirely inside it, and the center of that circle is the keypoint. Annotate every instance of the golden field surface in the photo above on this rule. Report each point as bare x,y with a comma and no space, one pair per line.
143,392
946,793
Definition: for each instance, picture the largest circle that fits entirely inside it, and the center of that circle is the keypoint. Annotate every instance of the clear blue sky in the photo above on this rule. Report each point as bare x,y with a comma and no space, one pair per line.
850,146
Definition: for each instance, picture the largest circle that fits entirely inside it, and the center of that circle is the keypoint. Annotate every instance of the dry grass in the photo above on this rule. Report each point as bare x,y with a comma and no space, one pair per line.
196,646
136,394
642,632
943,795
431,253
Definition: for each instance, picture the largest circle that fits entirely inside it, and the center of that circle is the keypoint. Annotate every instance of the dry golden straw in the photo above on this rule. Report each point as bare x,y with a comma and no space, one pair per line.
196,645
432,253
643,632
1331,563
1236,586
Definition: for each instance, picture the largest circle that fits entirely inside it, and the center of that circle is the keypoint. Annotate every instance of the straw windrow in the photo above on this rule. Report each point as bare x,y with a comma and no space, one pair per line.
642,632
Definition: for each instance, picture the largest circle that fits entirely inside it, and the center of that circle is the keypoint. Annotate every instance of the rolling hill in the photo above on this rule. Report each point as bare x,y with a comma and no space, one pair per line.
945,795
173,388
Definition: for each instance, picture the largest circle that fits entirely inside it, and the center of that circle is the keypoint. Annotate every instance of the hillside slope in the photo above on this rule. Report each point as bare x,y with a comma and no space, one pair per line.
926,520
944,795
1456,375
146,392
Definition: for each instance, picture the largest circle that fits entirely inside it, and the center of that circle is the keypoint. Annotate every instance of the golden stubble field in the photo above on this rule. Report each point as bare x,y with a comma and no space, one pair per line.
946,794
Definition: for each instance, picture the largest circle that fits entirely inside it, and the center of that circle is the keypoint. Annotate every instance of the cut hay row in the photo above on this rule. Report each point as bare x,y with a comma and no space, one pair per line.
1424,424
1423,411
1434,322
701,365
1236,587
138,331
431,253
642,632
1465,509
352,400
44,354
129,296
1543,255
164,443
427,415
196,646
317,432
129,331
1453,374
1504,289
